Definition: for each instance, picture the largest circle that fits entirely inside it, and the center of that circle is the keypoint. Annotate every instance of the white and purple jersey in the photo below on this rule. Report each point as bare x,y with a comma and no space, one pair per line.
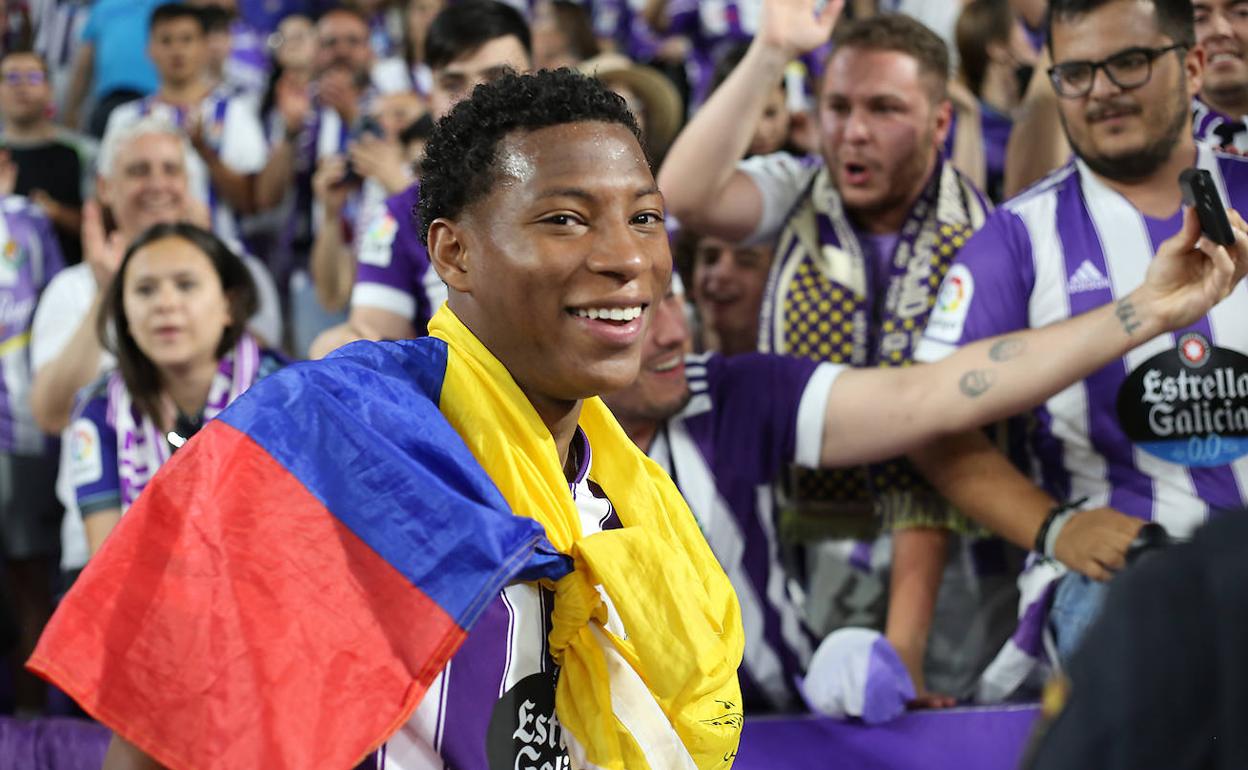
246,69
394,272
1161,434
29,257
493,706
749,417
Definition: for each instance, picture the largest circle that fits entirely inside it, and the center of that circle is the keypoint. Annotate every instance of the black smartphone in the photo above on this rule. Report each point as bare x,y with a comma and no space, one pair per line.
1201,193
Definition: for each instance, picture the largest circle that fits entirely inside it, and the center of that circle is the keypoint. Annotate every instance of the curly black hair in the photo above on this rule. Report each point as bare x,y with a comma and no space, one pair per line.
458,168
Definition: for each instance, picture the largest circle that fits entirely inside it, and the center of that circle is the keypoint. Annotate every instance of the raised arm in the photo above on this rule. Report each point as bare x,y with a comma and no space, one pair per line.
699,178
1002,376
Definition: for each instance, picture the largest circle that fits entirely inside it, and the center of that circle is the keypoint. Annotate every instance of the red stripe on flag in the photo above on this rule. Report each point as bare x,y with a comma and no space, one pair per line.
231,621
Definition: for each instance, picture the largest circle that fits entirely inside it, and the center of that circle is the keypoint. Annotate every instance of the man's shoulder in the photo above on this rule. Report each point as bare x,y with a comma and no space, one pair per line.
1042,192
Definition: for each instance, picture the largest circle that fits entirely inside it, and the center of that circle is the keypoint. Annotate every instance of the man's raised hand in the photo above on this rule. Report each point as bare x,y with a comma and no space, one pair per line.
795,26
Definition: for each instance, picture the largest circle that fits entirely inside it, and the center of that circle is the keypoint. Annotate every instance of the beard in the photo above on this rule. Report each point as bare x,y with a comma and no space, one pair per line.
1139,164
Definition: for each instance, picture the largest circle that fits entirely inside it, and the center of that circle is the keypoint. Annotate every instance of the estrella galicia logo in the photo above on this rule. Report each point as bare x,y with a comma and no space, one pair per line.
1188,405
524,732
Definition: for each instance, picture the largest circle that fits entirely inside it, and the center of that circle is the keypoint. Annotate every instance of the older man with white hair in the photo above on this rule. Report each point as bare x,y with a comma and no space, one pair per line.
142,182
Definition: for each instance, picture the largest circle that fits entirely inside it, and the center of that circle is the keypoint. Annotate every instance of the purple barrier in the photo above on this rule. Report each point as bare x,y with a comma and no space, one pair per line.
955,739
54,743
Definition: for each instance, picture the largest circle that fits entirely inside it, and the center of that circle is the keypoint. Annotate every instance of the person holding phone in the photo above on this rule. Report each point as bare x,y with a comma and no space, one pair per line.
1156,436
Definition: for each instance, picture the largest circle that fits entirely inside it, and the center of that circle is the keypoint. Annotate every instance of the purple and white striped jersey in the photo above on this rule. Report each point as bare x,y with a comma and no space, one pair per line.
493,706
1161,434
393,271
749,417
29,257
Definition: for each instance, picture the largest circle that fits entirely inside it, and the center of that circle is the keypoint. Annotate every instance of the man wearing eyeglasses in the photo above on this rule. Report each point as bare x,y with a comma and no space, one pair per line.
40,159
1158,436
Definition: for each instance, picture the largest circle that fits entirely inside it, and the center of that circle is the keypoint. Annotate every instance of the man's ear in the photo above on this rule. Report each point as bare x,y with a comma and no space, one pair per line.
448,252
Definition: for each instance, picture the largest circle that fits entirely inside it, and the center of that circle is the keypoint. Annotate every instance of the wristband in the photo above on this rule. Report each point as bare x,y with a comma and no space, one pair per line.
1046,537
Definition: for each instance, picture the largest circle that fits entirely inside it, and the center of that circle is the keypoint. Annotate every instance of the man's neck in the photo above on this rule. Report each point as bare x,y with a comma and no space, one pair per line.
30,133
1158,195
1232,102
188,94
560,418
1000,88
642,432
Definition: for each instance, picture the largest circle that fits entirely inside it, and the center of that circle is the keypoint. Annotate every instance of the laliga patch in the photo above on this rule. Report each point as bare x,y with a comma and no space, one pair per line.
378,239
953,303
524,733
11,258
1188,405
86,465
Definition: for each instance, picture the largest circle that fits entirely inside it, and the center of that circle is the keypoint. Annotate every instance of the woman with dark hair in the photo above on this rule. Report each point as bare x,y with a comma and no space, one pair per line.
175,318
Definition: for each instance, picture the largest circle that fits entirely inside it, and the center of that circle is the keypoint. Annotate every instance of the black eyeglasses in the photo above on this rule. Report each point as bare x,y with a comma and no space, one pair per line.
1126,69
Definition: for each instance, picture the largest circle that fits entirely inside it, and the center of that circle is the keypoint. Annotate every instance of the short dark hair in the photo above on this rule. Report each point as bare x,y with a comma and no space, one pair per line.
459,159
464,27
113,328
981,22
1175,18
172,11
43,63
903,34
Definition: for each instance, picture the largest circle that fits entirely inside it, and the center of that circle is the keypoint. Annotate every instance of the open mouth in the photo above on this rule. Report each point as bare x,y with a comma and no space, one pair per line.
1224,56
613,315
857,173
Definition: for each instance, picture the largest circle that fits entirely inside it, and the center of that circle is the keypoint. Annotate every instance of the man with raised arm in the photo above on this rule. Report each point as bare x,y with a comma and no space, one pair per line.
862,240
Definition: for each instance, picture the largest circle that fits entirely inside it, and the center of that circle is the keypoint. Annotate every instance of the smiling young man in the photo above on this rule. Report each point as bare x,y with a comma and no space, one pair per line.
1219,110
1117,449
543,218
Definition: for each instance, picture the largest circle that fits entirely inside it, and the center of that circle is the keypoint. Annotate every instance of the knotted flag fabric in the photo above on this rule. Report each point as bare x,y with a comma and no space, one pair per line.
291,582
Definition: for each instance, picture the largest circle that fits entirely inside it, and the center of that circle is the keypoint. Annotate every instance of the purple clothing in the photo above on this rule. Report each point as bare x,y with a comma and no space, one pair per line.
1127,436
494,703
1206,121
247,68
724,450
29,257
995,128
394,272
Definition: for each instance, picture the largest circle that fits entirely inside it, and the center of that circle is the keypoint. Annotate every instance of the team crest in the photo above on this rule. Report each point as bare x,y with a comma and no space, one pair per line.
1193,350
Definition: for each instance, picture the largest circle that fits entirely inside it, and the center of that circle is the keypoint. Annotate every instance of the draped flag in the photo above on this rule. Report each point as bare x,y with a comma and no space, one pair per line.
292,581
270,601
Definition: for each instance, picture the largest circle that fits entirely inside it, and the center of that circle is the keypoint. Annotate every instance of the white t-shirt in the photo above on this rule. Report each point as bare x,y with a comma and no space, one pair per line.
781,179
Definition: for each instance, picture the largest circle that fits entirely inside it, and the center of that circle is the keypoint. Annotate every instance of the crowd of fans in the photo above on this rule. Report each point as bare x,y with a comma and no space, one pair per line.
194,194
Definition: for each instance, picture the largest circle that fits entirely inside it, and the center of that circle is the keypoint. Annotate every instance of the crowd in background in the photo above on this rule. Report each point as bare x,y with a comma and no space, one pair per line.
193,195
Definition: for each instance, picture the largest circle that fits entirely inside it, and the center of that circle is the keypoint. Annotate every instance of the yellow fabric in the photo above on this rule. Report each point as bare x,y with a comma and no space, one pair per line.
683,624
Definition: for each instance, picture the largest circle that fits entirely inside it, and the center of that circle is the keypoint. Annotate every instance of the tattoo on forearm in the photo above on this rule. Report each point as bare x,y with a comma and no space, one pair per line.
1006,349
977,382
1126,315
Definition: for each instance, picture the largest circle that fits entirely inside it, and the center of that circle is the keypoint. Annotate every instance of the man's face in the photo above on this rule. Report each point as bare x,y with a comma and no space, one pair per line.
661,388
491,61
1122,134
1222,30
728,285
25,93
881,130
147,185
561,260
179,51
342,41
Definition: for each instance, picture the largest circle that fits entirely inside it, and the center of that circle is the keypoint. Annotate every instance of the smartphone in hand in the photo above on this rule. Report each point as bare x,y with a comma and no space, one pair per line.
1200,192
